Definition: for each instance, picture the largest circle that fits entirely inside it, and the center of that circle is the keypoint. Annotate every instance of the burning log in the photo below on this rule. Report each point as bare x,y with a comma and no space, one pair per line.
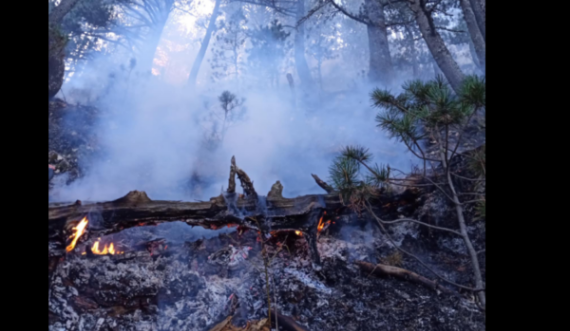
303,214
387,270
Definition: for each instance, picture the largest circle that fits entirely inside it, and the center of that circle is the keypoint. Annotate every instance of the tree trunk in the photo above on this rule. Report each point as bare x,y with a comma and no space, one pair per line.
148,50
56,46
381,69
436,45
413,51
479,11
436,70
474,55
56,72
482,3
474,31
198,61
300,61
59,12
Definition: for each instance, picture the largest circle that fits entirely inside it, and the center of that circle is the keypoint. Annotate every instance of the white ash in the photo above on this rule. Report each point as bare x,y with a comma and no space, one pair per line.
181,291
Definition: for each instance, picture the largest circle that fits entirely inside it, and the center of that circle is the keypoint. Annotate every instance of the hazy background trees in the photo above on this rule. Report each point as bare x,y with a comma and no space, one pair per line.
159,67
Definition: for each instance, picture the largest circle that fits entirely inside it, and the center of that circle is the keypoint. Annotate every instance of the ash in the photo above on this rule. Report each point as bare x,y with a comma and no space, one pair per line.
180,288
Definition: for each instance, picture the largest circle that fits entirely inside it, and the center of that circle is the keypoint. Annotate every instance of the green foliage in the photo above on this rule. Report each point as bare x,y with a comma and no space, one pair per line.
422,108
346,177
425,106
477,162
357,153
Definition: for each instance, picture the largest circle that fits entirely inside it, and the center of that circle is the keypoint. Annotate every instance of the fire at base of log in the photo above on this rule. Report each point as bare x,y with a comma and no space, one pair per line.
272,213
120,274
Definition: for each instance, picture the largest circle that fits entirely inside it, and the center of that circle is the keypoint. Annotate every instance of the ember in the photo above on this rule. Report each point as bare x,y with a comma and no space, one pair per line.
299,233
79,230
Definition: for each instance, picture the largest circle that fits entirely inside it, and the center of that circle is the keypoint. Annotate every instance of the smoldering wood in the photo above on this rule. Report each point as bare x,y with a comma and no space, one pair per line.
265,214
246,183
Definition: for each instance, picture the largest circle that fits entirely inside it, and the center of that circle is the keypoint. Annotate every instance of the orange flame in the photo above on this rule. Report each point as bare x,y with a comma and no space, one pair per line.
107,249
79,230
321,223
299,233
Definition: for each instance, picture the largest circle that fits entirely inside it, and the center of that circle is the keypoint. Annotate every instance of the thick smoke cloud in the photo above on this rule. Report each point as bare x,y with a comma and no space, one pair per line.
152,134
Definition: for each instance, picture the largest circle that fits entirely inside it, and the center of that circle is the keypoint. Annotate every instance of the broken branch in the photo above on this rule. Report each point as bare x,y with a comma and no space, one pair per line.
322,184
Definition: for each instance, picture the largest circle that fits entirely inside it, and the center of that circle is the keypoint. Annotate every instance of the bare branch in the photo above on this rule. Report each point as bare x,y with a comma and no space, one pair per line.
380,223
323,184
422,223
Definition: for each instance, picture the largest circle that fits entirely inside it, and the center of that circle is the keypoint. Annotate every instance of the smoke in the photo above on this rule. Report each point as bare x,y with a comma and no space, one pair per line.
154,133
154,141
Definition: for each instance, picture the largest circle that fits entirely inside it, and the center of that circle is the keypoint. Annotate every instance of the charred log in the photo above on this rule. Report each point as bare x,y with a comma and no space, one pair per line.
246,183
273,213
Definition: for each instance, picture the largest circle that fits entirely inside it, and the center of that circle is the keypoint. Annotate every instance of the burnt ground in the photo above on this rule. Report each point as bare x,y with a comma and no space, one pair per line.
181,288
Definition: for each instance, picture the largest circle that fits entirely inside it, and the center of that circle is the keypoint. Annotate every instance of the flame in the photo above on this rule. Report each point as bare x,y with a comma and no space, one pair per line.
79,230
321,223
107,249
299,233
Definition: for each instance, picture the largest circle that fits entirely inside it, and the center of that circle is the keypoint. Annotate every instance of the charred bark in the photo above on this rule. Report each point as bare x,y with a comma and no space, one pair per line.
136,209
250,211
204,46
436,45
322,184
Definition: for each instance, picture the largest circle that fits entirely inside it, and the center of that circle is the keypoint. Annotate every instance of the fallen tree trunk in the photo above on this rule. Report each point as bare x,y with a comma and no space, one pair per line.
136,209
273,212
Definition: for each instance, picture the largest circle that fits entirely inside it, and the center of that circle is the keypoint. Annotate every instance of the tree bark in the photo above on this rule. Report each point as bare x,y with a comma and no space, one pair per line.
479,11
300,60
56,42
474,55
381,69
59,12
436,45
413,51
204,46
483,4
474,31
